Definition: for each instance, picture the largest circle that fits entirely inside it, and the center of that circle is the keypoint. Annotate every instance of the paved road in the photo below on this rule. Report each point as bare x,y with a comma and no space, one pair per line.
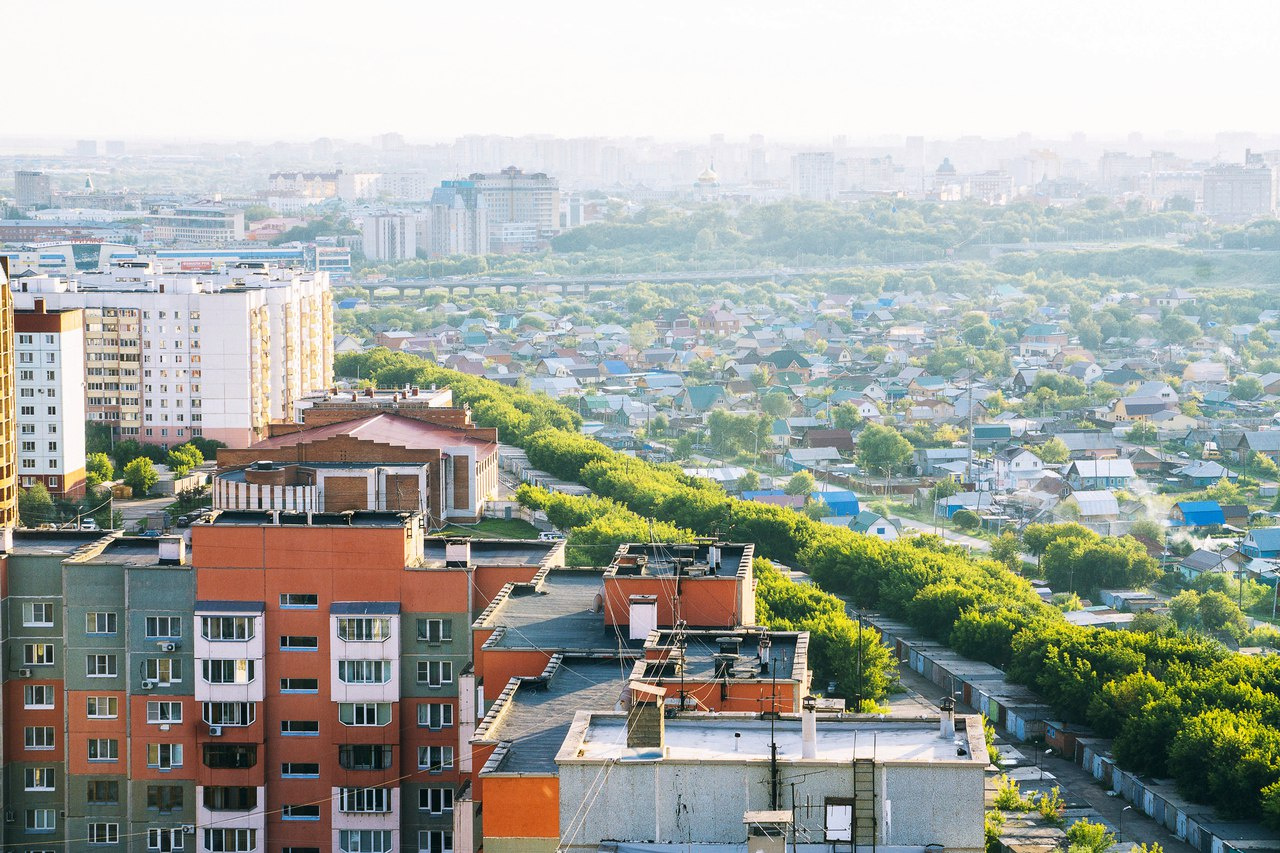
135,510
954,538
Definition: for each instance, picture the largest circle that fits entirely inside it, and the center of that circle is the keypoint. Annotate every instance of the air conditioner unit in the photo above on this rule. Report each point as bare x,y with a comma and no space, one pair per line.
168,647
215,731
148,684
24,673
164,727
188,829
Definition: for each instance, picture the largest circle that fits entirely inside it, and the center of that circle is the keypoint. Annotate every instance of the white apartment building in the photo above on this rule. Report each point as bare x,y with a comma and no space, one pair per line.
390,236
813,175
197,224
174,356
49,346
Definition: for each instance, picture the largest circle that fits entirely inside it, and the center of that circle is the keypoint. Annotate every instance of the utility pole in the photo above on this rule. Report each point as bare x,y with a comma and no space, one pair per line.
968,468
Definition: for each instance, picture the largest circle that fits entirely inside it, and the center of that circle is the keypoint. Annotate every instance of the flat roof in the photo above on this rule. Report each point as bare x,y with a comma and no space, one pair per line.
701,648
557,614
491,552
385,428
353,518
52,543
129,551
690,559
738,739
539,712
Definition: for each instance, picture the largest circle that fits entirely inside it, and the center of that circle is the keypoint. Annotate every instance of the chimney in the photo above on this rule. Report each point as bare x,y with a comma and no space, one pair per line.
947,726
809,727
457,552
415,390
646,724
173,550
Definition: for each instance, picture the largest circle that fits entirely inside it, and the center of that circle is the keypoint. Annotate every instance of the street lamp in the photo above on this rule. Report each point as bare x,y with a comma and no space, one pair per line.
1121,830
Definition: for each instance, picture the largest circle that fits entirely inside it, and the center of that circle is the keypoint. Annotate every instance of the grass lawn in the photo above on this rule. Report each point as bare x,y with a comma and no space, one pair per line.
494,528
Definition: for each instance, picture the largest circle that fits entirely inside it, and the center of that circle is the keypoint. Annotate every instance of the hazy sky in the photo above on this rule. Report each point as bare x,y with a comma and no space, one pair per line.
791,69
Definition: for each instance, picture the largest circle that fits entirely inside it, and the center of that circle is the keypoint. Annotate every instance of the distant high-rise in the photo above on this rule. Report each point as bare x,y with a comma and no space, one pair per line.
813,175
512,196
1234,192
459,220
32,189
86,148
390,236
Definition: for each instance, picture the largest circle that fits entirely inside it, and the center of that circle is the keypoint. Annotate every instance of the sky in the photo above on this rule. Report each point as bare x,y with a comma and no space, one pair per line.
794,70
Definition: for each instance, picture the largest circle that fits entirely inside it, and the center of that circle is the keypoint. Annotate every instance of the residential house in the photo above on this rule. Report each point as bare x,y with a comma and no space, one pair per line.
700,399
840,439
1014,465
1267,443
841,501
811,458
1205,371
1090,445
1202,473
1196,514
991,435
1204,561
1097,510
930,459
1261,543
872,523
1042,339
1134,409
1175,297
1089,474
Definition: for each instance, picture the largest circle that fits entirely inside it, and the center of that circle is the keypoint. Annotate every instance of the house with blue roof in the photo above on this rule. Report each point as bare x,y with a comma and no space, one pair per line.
1261,543
1196,514
841,501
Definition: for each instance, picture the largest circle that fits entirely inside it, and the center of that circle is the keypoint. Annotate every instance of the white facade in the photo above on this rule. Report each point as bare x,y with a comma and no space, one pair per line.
170,357
390,236
198,224
51,400
813,175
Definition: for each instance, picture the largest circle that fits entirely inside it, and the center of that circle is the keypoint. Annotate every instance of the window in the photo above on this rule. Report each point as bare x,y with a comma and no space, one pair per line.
224,756
364,841
38,778
435,715
100,792
435,630
37,654
104,749
42,820
290,643
227,671
364,713
230,799
839,820
364,800
230,840
299,685
37,696
364,630
364,671
102,707
435,841
301,850
37,614
300,769
166,840
308,811
435,759
434,673
162,670
164,627
299,727
230,713
165,756
164,712
299,599
364,757
226,627
164,798
38,737
435,800
100,666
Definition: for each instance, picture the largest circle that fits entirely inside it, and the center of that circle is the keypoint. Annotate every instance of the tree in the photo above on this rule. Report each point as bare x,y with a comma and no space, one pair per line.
801,483
1246,388
35,506
1007,550
1087,837
659,425
882,448
140,475
817,510
1224,492
775,404
1053,452
945,489
98,469
642,334
845,416
1142,433
183,458
749,482
966,519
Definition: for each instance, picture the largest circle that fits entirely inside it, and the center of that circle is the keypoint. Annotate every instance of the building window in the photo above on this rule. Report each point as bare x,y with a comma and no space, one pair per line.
308,728
230,713
164,627
39,778
357,800
37,614
306,811
99,792
102,707
364,757
435,759
164,798
99,623
37,654
163,671
435,800
435,673
38,737
364,671
100,666
435,841
165,840
42,820
299,685
164,756
231,840
364,630
104,749
37,696
230,756
307,600
235,671
224,798
435,630
364,713
164,712
300,769
435,715
226,627
364,841
291,643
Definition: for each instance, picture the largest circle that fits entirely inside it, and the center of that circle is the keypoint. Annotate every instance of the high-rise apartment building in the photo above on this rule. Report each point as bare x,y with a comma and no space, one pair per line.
32,189
220,355
50,371
390,236
813,175
459,221
197,224
1233,192
513,197
8,410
